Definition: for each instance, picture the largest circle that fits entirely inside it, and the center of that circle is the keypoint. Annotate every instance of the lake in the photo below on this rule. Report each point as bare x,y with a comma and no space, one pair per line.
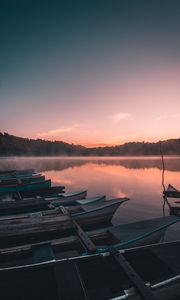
139,178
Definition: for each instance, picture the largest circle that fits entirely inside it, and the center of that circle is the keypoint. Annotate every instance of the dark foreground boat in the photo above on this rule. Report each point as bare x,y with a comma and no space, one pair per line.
8,207
152,271
122,236
172,192
11,188
50,224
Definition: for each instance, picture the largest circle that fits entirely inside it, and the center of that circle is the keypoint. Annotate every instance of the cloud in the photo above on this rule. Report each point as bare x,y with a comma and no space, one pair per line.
159,118
116,118
58,131
175,116
55,132
165,117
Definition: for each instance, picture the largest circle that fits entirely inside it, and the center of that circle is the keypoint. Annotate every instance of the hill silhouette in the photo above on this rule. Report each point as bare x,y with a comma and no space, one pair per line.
11,145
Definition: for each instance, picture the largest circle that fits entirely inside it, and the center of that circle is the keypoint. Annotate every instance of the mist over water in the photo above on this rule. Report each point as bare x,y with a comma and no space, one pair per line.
139,178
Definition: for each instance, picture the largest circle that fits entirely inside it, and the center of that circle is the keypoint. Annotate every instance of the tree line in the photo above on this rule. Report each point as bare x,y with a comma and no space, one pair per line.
11,145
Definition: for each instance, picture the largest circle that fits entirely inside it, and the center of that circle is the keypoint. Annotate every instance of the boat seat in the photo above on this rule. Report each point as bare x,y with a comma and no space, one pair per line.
42,252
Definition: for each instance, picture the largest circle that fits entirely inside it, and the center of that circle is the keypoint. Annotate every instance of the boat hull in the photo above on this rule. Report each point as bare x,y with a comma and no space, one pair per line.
96,276
36,178
101,238
41,204
42,192
54,224
25,187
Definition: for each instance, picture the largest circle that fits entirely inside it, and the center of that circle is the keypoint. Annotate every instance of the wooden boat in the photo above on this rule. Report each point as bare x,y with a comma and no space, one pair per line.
50,224
17,181
39,204
42,192
67,200
150,272
25,171
120,237
172,192
24,186
67,197
17,174
174,210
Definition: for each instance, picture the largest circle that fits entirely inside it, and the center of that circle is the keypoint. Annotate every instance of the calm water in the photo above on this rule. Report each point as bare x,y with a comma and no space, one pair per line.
137,178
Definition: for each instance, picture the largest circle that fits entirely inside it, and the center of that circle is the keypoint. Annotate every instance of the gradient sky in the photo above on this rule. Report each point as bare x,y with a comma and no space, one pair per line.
90,72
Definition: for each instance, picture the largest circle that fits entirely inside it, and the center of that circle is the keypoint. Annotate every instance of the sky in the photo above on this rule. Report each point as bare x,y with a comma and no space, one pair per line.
90,72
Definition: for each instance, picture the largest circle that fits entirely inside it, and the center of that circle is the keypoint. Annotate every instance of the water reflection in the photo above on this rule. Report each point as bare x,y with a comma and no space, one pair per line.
58,164
136,178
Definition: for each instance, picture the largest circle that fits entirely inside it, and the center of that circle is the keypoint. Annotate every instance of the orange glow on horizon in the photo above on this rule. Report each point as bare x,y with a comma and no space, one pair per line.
97,143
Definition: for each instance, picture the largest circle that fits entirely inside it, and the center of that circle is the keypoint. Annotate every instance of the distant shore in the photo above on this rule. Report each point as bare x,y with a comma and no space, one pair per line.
16,146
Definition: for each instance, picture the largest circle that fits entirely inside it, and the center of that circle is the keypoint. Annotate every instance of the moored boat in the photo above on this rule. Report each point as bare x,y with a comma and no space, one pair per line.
17,174
154,269
120,237
17,181
42,192
11,188
25,171
9,207
172,192
44,225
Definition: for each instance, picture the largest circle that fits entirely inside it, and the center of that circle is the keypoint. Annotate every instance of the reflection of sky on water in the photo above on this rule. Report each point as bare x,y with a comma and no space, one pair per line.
138,179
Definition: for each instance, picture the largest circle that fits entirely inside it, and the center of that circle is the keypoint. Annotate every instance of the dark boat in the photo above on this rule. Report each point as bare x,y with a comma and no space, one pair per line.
172,192
36,178
24,186
150,272
174,210
9,172
17,174
42,192
9,207
50,224
120,237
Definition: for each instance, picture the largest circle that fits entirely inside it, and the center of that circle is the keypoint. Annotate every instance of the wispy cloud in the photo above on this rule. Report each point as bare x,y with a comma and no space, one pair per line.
57,132
175,116
160,118
116,118
165,117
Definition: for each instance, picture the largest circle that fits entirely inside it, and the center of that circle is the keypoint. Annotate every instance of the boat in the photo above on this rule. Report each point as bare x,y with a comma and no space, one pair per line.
58,222
149,272
120,237
172,192
9,207
11,188
174,210
68,197
41,192
18,172
66,200
18,181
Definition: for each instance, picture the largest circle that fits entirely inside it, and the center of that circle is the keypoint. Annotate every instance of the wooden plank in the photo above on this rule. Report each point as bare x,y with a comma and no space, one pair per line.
84,238
42,252
137,282
69,282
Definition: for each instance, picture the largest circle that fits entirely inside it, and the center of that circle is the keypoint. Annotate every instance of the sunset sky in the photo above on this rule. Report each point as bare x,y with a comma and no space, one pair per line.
90,72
